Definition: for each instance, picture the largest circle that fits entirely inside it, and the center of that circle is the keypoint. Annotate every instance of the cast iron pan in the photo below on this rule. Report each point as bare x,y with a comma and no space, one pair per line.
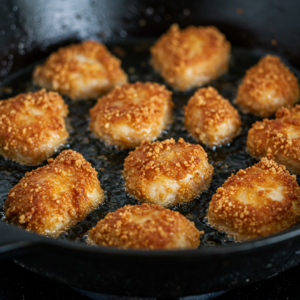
30,30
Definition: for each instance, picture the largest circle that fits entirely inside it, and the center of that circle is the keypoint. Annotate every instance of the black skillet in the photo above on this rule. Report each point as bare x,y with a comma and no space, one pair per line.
30,30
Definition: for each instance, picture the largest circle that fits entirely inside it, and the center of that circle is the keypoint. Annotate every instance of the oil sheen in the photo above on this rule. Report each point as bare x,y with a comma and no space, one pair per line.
108,161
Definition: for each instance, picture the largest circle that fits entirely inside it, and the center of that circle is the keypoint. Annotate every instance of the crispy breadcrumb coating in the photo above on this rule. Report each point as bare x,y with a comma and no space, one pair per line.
266,87
278,139
80,71
55,197
32,126
132,113
191,57
167,172
145,226
210,118
261,200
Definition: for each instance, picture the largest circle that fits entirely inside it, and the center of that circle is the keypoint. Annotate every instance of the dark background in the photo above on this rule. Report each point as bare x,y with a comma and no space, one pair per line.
18,283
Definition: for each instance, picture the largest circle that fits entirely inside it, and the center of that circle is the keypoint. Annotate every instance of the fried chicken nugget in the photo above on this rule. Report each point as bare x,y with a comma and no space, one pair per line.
261,200
266,87
80,71
32,126
55,197
145,226
210,118
278,139
132,113
191,57
167,172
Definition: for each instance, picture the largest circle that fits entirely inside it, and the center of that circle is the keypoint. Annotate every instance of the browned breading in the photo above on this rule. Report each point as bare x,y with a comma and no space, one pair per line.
210,118
266,87
32,126
167,172
53,198
145,226
191,57
278,139
132,113
80,71
261,200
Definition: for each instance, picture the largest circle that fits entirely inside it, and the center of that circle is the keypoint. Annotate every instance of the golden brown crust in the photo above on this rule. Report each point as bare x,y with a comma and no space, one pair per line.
146,226
261,200
167,172
80,71
266,87
32,126
53,198
210,118
191,57
278,139
132,113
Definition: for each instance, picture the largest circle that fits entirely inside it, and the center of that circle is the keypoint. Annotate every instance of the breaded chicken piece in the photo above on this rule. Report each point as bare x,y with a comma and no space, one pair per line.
132,113
80,71
266,87
32,126
278,139
191,57
261,200
167,173
145,226
210,118
55,197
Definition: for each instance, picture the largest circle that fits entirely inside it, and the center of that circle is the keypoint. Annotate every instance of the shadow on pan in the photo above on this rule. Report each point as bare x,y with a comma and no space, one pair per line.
30,30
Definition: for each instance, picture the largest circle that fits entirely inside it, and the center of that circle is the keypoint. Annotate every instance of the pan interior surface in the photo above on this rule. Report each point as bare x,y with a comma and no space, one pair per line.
108,161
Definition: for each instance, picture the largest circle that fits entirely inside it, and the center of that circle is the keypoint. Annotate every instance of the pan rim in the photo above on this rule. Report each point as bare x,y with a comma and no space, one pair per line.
30,239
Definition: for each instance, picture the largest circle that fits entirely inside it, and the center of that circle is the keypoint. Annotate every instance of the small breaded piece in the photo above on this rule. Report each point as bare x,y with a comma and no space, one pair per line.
261,200
210,118
132,113
266,87
167,173
80,71
32,126
55,197
191,57
145,226
278,139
